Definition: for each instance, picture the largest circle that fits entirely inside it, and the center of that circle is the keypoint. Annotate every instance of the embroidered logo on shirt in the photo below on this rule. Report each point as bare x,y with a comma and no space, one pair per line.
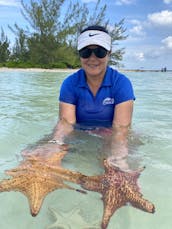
108,101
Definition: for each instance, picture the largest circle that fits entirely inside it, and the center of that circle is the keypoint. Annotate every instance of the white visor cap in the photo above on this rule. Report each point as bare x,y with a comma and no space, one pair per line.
94,37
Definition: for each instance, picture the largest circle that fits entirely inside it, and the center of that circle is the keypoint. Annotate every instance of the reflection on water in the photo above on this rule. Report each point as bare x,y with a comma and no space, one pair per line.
29,111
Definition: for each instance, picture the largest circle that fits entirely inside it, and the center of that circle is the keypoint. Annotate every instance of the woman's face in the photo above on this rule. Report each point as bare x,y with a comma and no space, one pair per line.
93,65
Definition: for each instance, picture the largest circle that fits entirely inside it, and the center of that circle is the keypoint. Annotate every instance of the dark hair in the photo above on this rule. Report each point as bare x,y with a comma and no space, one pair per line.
95,27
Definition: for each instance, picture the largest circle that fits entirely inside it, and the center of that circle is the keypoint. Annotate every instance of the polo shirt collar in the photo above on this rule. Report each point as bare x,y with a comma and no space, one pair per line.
106,81
82,78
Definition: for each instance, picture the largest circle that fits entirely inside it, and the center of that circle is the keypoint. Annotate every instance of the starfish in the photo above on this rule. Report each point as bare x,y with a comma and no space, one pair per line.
69,220
35,178
118,188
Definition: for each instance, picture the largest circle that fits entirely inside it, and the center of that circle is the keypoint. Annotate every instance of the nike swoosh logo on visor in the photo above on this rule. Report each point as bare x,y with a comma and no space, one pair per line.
93,34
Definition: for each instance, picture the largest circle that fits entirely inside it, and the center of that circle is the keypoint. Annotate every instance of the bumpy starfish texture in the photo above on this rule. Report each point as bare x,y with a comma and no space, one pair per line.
69,220
118,188
35,178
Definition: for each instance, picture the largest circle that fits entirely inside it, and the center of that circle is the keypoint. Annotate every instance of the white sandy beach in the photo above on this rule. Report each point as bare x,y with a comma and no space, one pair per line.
4,69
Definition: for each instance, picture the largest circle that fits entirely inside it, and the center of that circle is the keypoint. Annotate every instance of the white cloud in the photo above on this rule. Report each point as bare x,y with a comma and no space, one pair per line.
137,29
167,42
167,1
9,2
147,57
124,2
139,56
163,18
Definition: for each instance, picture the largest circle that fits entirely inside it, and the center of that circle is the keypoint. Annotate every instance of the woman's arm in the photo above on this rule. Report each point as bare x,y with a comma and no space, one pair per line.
67,118
121,124
63,128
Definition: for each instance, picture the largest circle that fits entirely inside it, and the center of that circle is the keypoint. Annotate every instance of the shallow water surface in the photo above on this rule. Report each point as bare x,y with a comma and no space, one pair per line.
29,111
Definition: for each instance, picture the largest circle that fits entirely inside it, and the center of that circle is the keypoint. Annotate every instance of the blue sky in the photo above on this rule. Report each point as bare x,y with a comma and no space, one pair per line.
148,24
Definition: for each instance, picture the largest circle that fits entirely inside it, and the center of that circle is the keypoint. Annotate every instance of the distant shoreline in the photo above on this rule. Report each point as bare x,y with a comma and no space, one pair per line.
5,69
37,69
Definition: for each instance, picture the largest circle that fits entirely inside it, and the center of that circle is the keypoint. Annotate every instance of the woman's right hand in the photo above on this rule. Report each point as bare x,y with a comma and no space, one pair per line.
45,150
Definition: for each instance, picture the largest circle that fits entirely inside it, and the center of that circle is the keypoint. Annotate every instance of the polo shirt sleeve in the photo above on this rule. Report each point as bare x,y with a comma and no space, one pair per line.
67,92
123,90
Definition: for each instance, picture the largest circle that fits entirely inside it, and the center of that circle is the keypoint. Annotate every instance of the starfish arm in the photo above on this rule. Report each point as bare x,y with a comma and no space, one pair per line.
67,175
6,185
10,185
39,189
13,172
142,204
91,183
35,186
107,166
37,176
22,185
35,201
135,198
136,173
113,200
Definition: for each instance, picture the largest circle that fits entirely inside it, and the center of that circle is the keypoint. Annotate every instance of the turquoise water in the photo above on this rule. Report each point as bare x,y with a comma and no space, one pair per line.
29,111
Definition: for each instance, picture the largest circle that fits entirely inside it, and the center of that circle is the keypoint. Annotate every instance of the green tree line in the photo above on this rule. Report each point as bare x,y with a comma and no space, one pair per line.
50,39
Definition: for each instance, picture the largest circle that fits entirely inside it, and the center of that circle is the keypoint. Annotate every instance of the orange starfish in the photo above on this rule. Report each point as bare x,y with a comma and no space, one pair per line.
35,178
117,188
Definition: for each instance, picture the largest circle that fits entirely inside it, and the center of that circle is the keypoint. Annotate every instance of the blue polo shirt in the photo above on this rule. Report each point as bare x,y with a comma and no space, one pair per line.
96,111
